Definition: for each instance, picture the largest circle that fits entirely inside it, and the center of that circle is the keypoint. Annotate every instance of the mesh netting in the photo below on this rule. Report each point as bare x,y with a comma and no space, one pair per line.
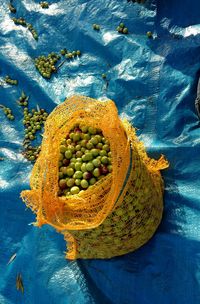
121,211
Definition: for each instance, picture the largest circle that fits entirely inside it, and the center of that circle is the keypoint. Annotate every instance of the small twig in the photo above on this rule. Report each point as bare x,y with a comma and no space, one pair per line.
59,66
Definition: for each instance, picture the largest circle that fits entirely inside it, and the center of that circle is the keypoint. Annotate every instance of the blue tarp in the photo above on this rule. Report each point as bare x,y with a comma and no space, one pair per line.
153,82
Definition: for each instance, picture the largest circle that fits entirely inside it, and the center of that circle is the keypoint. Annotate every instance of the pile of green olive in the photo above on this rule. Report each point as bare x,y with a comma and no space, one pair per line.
46,64
33,121
85,158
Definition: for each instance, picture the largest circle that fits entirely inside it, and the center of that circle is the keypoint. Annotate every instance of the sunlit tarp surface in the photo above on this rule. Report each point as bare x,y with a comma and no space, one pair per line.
153,82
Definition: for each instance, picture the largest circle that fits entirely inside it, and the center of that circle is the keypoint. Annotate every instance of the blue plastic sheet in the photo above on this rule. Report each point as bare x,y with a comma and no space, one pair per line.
153,82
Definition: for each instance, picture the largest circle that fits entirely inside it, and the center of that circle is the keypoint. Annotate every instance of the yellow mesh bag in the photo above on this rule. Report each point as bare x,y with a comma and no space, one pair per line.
121,211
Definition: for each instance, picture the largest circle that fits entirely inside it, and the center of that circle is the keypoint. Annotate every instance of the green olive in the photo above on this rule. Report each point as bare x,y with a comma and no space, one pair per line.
99,146
70,171
75,190
90,166
92,130
70,182
94,140
125,30
92,181
62,184
63,149
68,154
78,174
103,153
104,160
77,181
149,34
78,166
76,137
96,172
110,168
84,184
96,162
83,167
89,145
84,129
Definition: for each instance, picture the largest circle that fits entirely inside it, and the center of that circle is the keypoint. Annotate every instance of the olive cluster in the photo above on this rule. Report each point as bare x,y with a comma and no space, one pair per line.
85,158
33,31
33,121
22,21
10,81
122,29
31,153
8,112
44,4
23,100
70,54
12,8
19,21
96,27
46,64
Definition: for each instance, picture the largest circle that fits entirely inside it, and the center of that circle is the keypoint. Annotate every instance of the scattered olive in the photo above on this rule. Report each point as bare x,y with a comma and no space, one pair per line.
96,27
149,34
63,52
122,29
44,4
